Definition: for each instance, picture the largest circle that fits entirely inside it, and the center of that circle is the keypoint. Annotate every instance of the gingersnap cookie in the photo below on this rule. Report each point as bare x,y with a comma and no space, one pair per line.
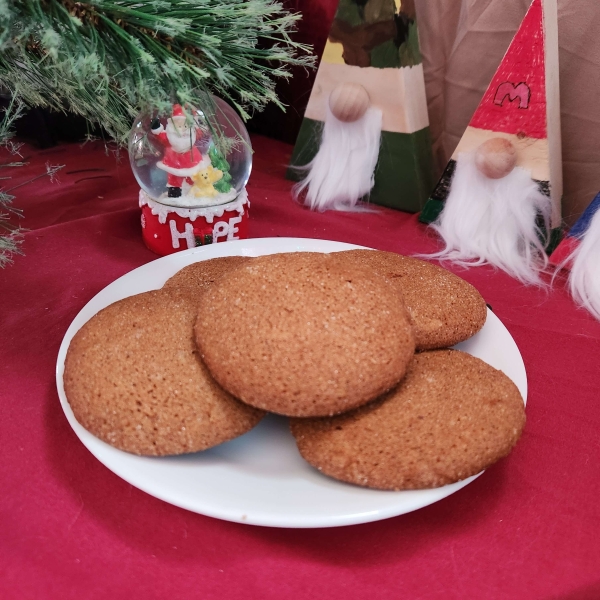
134,379
444,308
198,276
301,334
452,416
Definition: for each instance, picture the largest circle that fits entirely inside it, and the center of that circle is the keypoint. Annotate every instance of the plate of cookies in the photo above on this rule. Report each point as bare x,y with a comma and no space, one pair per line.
292,382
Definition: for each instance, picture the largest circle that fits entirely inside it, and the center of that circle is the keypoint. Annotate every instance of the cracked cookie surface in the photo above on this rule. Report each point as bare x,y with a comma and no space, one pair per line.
301,334
444,308
452,416
134,379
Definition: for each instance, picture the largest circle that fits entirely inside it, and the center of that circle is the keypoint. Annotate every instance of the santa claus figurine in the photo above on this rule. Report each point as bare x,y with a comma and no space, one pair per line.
182,160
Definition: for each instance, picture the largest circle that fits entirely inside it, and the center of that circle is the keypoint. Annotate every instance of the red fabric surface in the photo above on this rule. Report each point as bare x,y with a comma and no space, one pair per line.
70,528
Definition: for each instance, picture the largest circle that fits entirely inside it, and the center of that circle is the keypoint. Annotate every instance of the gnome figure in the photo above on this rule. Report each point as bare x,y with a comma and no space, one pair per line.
499,199
365,133
579,252
342,172
182,160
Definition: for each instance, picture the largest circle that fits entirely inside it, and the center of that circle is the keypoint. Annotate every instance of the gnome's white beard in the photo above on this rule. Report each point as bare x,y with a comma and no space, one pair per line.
342,172
584,280
494,221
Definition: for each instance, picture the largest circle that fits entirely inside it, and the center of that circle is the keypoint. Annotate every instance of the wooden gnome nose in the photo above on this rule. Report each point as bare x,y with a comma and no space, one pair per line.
496,158
349,102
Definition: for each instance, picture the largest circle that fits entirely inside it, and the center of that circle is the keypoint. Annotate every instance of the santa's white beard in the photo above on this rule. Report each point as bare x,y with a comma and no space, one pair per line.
584,279
494,221
181,141
342,171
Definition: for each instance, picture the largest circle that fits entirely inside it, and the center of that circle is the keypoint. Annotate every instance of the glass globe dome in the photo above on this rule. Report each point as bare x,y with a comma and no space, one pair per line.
192,157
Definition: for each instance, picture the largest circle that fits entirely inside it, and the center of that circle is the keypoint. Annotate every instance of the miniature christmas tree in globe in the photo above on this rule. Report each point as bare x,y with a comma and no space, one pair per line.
219,162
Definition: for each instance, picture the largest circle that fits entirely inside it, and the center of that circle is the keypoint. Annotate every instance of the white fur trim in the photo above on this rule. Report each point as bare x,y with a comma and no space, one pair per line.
342,171
584,279
209,213
158,130
493,221
187,172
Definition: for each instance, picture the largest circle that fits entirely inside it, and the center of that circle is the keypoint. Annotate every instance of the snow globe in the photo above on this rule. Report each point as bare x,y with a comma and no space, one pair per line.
192,165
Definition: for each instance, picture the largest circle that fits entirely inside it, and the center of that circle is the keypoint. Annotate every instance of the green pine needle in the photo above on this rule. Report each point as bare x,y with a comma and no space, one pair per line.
10,235
107,60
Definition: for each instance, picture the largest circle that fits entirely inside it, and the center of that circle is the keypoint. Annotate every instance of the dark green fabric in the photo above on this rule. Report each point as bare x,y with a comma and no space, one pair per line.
307,145
556,236
431,211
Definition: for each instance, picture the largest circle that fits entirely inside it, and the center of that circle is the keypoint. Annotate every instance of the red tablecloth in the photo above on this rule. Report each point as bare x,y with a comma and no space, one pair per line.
528,528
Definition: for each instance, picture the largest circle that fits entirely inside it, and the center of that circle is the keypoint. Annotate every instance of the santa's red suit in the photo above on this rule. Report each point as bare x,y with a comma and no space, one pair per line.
182,159
179,165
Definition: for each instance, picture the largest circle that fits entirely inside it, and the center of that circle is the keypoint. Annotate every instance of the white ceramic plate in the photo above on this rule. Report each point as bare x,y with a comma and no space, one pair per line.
260,477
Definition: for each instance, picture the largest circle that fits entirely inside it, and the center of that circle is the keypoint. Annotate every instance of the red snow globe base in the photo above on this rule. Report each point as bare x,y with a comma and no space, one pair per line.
168,229
192,164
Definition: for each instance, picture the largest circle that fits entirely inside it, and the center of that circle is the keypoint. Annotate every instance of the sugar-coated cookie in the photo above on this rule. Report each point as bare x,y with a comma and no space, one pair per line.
301,334
444,308
452,416
198,276
134,379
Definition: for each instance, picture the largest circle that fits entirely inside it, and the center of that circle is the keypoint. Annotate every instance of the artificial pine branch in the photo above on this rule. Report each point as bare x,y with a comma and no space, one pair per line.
10,235
107,60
